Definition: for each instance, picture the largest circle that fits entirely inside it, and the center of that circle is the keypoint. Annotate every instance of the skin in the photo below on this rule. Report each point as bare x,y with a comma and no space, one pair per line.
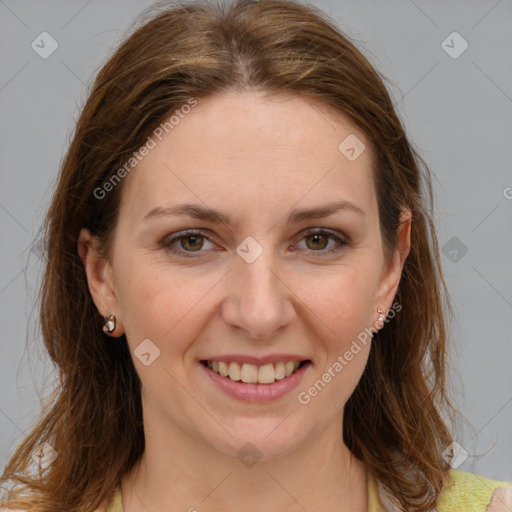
255,159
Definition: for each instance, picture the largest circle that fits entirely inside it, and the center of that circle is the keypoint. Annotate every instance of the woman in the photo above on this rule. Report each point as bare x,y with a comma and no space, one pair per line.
243,292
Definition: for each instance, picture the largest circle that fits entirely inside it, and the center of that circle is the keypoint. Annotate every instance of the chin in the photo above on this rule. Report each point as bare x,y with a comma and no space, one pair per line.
262,440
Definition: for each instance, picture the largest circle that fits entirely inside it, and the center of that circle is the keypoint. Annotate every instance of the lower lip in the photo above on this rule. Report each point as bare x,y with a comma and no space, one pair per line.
257,392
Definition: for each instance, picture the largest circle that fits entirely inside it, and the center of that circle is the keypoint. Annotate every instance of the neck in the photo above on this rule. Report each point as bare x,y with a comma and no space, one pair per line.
195,477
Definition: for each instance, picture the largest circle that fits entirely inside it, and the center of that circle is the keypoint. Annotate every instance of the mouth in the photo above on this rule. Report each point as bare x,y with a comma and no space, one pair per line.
254,374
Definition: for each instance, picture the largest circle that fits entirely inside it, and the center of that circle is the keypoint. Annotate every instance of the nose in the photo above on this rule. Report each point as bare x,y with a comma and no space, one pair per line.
258,301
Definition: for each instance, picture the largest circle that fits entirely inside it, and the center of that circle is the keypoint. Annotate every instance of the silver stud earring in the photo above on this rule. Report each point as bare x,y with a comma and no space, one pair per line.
380,312
110,324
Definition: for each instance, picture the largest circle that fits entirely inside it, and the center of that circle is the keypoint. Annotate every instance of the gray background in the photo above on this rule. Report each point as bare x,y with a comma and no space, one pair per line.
457,112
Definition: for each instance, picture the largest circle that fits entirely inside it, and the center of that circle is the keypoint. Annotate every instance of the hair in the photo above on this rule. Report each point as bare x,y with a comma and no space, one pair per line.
393,421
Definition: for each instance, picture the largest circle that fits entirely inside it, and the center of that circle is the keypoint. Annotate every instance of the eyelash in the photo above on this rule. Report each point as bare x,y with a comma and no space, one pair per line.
168,242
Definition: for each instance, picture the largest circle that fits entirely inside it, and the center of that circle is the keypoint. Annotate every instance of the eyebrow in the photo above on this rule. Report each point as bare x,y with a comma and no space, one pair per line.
202,213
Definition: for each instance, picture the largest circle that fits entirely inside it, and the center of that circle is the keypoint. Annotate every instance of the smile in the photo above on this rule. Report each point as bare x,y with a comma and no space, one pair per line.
251,373
251,382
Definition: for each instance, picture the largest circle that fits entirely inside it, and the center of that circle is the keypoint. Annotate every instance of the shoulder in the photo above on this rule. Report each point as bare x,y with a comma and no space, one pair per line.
113,505
474,493
116,504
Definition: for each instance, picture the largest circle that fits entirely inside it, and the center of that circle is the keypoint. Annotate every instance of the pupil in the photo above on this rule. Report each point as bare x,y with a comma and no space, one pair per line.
193,237
316,236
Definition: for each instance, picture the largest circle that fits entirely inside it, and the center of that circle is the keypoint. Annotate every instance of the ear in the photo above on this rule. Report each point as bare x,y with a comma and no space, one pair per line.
392,272
99,278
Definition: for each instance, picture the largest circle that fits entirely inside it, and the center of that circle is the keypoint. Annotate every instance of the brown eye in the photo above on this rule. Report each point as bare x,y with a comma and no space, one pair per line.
187,243
192,242
318,241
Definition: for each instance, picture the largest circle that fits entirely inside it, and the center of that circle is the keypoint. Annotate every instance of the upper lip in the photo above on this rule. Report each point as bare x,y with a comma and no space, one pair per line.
256,360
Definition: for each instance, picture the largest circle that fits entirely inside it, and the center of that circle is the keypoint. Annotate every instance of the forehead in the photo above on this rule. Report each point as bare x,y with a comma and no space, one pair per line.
244,148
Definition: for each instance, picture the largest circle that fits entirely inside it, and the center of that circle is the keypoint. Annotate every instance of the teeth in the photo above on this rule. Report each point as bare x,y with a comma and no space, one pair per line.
223,369
288,368
280,371
234,371
266,374
250,373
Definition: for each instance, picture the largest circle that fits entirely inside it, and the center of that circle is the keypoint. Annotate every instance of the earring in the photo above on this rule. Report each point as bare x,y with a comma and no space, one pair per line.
381,318
110,324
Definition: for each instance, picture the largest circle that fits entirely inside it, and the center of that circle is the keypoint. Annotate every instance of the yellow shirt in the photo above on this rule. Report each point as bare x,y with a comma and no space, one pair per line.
468,492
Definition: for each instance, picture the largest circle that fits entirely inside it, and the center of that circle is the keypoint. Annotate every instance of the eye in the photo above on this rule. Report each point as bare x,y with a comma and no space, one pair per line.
189,242
317,241
193,241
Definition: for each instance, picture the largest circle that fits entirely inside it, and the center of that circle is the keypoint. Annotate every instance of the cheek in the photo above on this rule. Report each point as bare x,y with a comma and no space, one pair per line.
342,310
341,304
155,300
341,301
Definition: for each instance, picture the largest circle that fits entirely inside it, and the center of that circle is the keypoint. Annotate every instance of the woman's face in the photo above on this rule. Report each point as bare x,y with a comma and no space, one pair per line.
259,287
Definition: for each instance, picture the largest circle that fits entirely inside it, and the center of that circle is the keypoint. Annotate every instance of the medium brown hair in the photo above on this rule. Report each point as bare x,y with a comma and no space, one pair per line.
393,420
